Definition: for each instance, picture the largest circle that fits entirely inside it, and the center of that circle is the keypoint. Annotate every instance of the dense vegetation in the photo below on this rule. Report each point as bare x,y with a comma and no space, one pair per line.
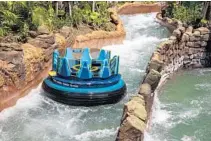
190,12
22,16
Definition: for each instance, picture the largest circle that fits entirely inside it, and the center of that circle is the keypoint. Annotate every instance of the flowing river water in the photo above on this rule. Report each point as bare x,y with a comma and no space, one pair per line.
38,118
182,109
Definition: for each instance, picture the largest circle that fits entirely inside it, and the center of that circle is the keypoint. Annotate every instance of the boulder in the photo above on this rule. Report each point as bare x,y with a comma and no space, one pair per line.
14,57
43,41
196,33
145,89
10,46
114,18
43,30
189,29
203,30
156,65
132,129
195,38
182,29
205,37
138,98
193,44
153,78
185,37
33,34
177,33
203,43
172,38
156,56
136,108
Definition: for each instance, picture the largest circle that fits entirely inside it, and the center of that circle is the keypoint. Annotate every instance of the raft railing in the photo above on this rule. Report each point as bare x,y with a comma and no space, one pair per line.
102,67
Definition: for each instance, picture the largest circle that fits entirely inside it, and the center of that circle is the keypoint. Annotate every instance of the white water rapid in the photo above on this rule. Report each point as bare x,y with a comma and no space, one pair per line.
38,118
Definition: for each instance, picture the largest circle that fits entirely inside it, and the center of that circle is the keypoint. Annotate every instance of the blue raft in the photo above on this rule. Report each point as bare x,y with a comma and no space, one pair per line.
84,81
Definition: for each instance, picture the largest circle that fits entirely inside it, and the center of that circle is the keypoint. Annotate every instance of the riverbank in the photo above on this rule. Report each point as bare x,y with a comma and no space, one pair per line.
23,66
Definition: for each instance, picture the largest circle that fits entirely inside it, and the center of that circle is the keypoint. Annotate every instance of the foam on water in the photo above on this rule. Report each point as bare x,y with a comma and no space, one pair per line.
38,118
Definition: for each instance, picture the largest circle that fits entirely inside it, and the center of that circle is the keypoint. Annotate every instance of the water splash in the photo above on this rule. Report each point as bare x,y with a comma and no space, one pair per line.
38,118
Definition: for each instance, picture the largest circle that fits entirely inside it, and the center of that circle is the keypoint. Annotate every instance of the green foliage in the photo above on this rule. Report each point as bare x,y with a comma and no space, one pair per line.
186,11
3,31
22,16
203,21
39,16
186,14
42,16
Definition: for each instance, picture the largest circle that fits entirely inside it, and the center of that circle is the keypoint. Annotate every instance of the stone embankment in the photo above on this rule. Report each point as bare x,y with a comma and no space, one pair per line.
186,48
23,66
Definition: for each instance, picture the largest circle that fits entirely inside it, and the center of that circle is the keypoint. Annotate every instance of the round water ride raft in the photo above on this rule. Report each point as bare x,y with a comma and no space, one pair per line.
84,81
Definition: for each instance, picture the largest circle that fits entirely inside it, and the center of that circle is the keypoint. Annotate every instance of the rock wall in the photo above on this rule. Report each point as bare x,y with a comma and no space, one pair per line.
21,64
137,7
187,48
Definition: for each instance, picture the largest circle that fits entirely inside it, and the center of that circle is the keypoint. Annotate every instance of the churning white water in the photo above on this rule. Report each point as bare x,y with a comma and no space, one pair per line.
38,118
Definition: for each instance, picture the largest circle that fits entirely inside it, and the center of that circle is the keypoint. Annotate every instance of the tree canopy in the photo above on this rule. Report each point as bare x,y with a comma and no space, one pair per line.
21,16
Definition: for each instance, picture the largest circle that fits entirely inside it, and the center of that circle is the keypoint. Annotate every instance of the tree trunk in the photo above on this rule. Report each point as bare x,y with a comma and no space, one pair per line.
57,8
93,6
70,8
206,10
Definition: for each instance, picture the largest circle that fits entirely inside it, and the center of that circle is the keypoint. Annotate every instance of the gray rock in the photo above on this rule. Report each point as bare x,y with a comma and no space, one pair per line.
203,30
172,38
185,37
153,78
196,33
205,37
145,89
33,34
203,43
177,33
193,44
189,29
195,38
156,65
182,29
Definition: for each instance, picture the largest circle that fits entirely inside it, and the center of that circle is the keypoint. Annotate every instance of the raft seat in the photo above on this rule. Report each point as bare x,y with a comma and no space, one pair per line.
102,55
86,56
105,71
69,53
70,57
84,72
64,69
